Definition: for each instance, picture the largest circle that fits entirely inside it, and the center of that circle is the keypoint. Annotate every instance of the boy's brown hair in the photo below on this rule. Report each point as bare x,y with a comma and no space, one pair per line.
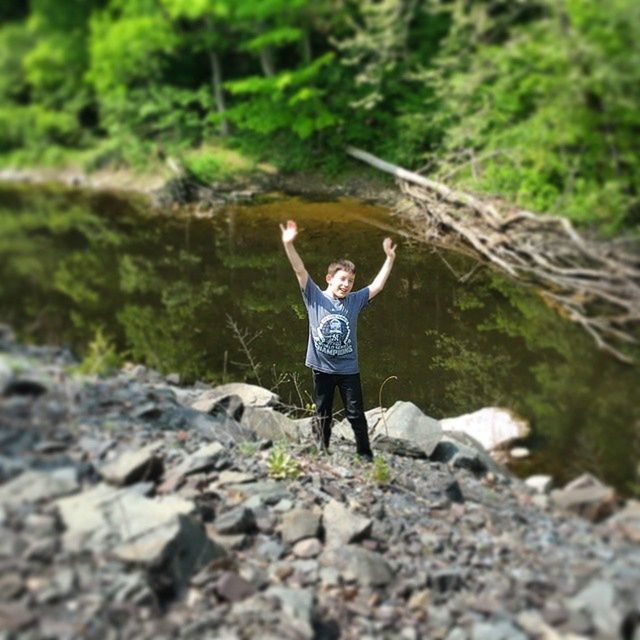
345,265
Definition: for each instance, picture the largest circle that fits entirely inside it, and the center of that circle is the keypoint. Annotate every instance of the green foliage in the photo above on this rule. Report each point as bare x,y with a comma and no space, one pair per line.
534,100
288,100
380,472
210,163
281,465
15,42
101,358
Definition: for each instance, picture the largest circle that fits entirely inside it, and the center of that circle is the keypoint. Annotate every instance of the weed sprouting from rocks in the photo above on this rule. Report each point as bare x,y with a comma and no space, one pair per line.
282,465
380,472
101,358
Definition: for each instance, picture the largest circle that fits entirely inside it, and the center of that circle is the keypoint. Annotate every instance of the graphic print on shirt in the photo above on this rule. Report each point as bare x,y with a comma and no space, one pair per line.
333,335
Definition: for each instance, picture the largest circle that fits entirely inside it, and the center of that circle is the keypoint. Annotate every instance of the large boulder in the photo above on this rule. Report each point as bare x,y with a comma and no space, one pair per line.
36,486
158,534
269,424
343,429
250,394
492,427
463,451
405,422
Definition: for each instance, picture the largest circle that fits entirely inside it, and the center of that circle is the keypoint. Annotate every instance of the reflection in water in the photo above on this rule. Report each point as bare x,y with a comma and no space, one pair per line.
164,287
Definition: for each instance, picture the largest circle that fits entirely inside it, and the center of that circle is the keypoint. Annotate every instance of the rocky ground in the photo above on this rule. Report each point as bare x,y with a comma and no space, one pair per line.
133,507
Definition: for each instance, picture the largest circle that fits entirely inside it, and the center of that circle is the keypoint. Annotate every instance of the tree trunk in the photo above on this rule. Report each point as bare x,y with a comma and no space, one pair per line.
218,92
267,62
306,48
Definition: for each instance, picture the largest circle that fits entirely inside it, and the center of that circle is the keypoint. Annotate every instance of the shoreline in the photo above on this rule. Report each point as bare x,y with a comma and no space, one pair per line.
159,187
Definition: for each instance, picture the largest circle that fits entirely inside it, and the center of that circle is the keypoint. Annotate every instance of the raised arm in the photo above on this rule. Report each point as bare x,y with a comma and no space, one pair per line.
289,234
381,279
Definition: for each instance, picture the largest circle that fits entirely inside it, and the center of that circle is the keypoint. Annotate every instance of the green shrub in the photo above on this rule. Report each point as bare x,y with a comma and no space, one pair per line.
380,472
101,358
282,465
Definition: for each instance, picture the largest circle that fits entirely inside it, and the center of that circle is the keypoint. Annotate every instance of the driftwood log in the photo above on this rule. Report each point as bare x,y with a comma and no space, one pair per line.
592,282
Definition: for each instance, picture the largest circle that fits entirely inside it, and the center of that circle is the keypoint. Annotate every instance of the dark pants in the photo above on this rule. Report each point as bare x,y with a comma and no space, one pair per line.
324,385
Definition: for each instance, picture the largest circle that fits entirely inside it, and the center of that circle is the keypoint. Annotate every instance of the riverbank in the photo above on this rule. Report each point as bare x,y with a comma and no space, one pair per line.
168,184
134,507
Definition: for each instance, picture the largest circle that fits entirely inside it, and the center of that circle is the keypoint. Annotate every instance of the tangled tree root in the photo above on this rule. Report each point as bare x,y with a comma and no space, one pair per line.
593,282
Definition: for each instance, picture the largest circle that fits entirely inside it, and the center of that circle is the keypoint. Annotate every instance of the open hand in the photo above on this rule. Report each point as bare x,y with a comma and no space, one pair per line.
289,232
389,248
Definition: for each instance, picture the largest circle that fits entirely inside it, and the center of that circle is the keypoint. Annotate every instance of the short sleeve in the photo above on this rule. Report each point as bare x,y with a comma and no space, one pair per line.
361,298
310,292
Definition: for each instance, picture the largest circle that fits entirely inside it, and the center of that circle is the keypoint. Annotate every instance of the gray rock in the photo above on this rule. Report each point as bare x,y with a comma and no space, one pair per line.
6,375
343,428
36,486
307,548
233,588
627,521
131,588
234,477
237,520
230,405
445,580
132,466
270,550
598,600
586,496
173,551
366,567
250,394
269,424
205,458
463,451
502,630
103,517
405,421
342,525
297,604
299,524
264,492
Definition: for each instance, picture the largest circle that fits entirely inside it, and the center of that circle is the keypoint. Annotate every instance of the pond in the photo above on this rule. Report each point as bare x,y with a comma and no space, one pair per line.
215,299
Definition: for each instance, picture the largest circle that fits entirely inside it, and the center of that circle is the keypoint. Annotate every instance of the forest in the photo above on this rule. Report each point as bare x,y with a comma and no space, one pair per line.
535,101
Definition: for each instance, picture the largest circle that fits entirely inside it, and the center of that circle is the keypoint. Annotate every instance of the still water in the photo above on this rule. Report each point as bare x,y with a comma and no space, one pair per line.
215,299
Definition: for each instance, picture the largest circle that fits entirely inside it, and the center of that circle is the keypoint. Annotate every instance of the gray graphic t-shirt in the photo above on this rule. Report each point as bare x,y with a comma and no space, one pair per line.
332,346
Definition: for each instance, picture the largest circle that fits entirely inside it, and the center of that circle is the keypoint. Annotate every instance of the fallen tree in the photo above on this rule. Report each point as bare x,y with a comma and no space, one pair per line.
592,282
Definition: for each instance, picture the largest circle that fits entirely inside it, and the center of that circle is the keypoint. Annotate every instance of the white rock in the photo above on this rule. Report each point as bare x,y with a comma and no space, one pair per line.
493,427
539,483
519,453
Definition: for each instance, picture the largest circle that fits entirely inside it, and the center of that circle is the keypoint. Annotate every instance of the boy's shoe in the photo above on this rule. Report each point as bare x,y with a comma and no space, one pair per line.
365,457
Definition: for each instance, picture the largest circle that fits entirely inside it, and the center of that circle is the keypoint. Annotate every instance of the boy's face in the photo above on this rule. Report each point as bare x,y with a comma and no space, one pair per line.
340,283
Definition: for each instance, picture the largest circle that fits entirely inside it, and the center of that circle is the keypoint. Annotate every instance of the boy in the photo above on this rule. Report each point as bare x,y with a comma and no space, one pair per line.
332,351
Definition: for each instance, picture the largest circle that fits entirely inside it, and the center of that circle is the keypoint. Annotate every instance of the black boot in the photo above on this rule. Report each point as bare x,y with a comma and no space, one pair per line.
321,428
361,432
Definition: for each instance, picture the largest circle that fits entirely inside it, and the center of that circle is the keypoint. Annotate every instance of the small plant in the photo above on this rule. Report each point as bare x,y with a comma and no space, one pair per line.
247,448
282,465
101,358
380,472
